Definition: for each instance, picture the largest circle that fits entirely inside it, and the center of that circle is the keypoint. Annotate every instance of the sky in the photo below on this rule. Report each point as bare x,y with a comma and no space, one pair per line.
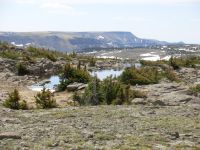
168,20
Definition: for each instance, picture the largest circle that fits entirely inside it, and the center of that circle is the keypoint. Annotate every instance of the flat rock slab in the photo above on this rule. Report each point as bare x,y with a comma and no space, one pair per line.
9,135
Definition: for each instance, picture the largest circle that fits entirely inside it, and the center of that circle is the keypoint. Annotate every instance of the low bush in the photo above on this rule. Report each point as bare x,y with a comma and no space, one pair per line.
142,76
174,63
21,69
171,75
195,90
10,54
13,101
45,100
189,61
42,53
71,74
108,91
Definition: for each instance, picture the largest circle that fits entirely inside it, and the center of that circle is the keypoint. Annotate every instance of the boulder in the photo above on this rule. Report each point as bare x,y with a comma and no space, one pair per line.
42,83
74,86
82,87
139,101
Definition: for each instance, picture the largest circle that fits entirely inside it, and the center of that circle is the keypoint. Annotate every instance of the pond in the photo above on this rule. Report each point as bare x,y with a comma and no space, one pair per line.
50,84
102,74
53,81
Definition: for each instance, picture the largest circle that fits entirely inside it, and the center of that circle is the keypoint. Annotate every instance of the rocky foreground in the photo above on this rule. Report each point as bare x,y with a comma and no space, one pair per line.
168,118
102,127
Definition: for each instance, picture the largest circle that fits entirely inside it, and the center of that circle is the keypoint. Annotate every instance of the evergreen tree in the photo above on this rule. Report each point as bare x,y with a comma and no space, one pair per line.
13,101
79,65
44,99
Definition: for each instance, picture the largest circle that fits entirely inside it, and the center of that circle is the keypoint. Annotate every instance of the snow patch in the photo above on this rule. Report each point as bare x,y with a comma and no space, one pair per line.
152,58
166,57
100,37
17,45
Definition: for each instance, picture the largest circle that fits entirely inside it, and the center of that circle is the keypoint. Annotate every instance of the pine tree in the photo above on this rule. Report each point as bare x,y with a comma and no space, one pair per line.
13,101
79,65
94,98
44,99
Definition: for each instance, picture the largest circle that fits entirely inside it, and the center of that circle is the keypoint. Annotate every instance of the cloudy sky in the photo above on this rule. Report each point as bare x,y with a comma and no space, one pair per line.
170,20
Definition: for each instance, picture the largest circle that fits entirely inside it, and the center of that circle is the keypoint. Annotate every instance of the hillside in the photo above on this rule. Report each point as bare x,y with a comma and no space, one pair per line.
67,41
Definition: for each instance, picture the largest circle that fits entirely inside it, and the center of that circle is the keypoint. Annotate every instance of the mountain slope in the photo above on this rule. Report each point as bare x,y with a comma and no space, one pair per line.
67,41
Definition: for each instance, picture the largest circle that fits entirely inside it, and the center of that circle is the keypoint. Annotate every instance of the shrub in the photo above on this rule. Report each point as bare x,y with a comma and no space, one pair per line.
21,69
171,75
189,61
63,84
195,90
108,92
13,101
70,75
23,105
42,53
152,63
44,99
143,76
10,54
173,62
76,98
92,62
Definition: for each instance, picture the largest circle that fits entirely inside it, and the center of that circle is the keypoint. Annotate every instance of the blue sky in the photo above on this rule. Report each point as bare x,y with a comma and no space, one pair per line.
169,20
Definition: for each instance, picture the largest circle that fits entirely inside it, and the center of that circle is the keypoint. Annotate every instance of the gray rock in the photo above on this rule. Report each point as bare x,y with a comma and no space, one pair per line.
74,86
159,102
139,101
42,83
9,135
82,87
174,135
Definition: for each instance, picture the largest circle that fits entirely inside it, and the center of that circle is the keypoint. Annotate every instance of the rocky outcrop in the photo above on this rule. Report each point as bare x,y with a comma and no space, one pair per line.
40,68
166,94
45,67
7,65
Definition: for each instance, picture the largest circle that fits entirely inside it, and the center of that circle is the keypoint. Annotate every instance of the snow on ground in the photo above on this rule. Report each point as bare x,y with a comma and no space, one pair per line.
151,54
39,89
17,45
166,57
100,37
91,52
152,58
111,57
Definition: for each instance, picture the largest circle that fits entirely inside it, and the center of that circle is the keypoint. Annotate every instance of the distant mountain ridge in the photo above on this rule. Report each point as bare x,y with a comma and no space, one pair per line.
68,41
